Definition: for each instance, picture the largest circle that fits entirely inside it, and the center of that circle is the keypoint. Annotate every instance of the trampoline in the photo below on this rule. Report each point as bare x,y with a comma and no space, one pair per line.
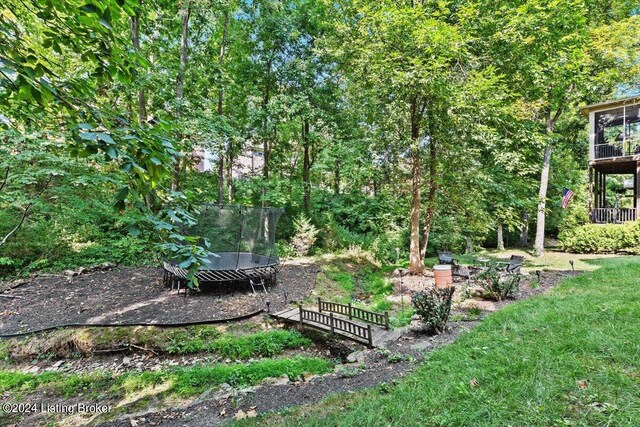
241,249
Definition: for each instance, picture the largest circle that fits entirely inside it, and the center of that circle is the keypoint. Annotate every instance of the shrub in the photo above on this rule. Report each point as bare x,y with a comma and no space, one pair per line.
433,306
600,239
497,285
305,235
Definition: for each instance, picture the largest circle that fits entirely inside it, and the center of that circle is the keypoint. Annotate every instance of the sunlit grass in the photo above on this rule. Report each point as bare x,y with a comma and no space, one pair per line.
567,357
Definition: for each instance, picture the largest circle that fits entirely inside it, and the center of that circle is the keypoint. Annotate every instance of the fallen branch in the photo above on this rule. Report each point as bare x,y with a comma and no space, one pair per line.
11,296
25,213
143,348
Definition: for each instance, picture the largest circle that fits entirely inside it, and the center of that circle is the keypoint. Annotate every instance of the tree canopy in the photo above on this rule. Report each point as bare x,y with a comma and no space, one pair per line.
402,126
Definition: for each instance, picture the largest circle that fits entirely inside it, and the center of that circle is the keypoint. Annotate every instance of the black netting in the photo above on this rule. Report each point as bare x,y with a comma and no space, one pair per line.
240,238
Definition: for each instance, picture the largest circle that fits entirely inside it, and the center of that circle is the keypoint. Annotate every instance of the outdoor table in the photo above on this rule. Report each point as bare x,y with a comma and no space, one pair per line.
482,262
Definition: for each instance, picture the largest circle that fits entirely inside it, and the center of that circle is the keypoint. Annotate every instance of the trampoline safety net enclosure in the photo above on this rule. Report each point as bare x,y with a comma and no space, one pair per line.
241,246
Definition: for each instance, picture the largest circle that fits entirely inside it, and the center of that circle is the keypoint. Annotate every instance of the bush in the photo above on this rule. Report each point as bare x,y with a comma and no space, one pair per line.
499,286
433,306
305,235
602,239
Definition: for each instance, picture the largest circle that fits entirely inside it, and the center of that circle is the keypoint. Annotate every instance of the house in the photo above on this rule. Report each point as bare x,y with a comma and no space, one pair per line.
614,160
247,164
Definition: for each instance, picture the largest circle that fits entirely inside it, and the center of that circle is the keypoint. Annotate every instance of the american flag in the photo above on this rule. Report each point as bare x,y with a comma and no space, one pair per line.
567,195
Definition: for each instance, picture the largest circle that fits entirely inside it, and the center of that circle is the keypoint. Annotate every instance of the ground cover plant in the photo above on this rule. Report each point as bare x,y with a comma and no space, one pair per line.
498,285
567,357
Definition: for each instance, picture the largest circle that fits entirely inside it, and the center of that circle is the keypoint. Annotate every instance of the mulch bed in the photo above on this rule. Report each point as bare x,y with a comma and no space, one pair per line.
123,296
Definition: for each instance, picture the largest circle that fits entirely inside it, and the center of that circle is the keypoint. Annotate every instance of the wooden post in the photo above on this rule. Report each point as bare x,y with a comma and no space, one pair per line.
637,190
604,190
386,320
319,305
370,336
331,322
598,189
300,307
590,201
350,315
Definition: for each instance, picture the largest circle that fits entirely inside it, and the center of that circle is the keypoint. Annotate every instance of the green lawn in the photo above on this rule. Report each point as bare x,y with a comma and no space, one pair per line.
550,260
568,357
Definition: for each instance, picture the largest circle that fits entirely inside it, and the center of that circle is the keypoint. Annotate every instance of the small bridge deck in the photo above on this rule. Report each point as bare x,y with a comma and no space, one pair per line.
363,333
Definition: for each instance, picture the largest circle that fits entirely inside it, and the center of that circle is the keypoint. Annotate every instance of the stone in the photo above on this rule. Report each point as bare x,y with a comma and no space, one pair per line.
307,377
248,390
282,380
126,360
356,357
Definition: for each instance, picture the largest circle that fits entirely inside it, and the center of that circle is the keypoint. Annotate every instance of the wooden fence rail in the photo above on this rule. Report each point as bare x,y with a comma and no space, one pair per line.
354,312
337,324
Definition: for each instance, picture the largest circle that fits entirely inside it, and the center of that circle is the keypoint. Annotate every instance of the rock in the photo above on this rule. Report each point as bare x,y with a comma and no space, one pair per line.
80,271
70,273
126,360
282,380
248,390
307,377
356,357
476,291
416,326
58,363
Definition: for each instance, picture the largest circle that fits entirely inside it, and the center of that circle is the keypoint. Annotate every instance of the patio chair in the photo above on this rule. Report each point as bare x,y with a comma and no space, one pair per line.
513,266
447,258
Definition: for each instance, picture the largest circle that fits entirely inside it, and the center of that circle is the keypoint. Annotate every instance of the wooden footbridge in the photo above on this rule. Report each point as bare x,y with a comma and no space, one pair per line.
371,329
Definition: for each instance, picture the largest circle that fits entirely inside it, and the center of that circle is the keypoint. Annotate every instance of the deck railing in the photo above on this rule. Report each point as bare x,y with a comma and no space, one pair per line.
354,312
337,324
613,215
617,149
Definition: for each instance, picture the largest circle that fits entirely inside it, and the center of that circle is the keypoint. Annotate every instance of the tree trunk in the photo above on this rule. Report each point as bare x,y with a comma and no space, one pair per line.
230,174
306,166
223,49
433,188
185,14
524,232
265,141
416,265
538,247
500,245
468,245
135,38
220,177
336,178
142,103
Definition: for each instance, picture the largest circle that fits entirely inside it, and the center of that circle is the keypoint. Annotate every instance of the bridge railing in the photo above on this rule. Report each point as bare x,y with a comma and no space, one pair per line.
337,324
352,312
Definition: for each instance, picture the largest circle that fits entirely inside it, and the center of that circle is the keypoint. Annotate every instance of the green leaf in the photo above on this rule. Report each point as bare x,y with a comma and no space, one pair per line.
112,152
